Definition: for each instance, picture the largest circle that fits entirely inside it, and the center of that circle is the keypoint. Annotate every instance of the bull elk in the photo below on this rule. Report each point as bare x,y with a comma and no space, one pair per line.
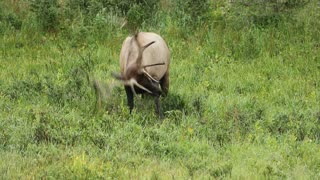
144,67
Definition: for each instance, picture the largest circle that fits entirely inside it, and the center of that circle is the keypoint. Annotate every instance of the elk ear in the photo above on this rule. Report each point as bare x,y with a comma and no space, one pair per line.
147,45
117,76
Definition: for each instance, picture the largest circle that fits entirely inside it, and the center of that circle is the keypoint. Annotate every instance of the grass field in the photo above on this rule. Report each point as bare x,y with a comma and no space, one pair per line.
243,103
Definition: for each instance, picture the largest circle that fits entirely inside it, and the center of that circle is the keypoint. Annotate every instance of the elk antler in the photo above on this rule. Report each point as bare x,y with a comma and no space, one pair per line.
156,64
133,82
141,49
147,74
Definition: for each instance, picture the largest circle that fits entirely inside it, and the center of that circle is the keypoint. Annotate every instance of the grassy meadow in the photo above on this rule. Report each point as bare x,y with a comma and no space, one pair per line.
243,102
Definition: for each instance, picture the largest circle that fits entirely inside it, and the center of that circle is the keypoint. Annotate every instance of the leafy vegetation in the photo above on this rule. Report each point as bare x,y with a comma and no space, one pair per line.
243,100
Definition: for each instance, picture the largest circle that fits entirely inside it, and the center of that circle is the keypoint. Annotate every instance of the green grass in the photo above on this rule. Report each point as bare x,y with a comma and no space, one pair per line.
243,103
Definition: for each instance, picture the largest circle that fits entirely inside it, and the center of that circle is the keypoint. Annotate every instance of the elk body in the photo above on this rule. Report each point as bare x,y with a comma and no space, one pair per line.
144,67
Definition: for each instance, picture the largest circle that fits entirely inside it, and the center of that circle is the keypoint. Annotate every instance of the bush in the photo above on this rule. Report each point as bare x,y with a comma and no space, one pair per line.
9,19
137,12
190,13
47,14
263,13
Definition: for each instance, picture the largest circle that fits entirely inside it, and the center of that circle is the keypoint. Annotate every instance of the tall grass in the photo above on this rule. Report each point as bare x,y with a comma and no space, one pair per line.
243,99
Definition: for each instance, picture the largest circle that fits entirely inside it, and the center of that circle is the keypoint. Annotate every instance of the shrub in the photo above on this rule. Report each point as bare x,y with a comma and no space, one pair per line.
47,14
263,13
190,12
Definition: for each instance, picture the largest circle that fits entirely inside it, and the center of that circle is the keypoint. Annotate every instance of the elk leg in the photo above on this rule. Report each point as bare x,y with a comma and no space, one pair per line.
158,108
129,97
164,83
